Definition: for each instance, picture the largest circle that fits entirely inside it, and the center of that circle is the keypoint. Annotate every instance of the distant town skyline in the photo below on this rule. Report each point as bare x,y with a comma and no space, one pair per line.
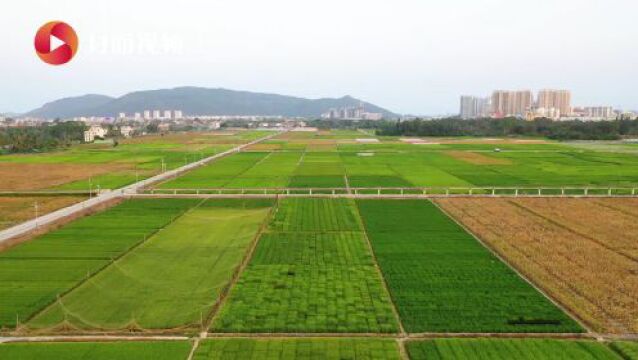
412,57
555,104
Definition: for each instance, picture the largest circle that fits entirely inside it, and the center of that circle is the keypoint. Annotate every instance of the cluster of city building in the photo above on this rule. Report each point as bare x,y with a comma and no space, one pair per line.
550,104
152,115
351,113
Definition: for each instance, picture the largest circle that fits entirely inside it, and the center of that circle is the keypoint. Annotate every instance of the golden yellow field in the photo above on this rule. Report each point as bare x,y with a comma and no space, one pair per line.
582,252
477,158
14,210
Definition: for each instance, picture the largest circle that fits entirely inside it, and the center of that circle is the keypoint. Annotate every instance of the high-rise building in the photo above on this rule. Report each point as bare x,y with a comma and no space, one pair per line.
177,114
156,114
121,115
137,116
147,114
557,99
473,107
167,114
511,103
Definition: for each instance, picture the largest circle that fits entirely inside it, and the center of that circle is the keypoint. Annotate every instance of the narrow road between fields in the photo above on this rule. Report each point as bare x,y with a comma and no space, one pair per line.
50,218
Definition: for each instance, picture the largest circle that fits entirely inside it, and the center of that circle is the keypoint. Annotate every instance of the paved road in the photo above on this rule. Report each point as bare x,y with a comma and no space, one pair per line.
30,225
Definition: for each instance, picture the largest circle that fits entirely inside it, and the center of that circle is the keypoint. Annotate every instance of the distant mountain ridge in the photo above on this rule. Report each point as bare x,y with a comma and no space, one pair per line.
198,101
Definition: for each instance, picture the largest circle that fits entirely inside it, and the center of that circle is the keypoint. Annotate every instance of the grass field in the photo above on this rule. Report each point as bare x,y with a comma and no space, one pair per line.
93,165
32,274
138,350
628,350
311,272
442,280
17,209
581,251
300,349
313,160
505,349
170,281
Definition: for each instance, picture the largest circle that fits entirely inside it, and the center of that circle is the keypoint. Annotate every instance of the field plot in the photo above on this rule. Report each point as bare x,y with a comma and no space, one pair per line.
319,170
93,165
170,281
628,350
138,350
14,210
316,160
505,349
311,272
583,252
442,280
34,273
299,349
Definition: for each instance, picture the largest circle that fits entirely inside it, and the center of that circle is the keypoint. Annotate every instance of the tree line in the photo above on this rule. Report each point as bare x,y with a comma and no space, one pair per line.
43,137
557,130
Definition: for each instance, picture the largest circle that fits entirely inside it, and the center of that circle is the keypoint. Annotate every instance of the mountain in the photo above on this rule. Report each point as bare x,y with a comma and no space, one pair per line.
197,101
70,107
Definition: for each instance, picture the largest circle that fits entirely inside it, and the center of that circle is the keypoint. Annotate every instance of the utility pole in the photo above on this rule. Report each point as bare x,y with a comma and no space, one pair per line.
90,189
35,207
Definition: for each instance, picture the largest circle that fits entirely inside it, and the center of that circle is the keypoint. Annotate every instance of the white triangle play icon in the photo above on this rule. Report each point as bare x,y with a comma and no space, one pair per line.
55,42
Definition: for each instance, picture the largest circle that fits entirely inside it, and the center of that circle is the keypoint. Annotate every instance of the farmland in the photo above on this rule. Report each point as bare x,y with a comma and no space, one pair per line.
88,166
301,349
628,350
17,209
503,349
324,160
139,350
581,251
311,272
33,274
171,280
257,276
443,280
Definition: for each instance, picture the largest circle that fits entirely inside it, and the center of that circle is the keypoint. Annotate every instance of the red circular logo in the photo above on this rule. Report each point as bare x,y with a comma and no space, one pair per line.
61,33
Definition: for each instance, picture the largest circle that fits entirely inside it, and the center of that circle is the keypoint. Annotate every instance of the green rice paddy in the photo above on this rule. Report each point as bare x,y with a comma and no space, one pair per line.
35,273
311,272
504,349
170,281
138,350
442,280
299,349
391,164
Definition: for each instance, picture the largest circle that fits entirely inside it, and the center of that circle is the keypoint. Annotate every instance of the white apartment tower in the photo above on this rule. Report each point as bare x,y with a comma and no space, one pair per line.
473,107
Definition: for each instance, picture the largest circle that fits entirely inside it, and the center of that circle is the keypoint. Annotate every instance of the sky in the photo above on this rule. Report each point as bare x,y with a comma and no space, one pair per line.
409,56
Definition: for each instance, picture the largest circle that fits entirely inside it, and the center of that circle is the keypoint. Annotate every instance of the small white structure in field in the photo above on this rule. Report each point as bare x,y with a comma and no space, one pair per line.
93,132
126,131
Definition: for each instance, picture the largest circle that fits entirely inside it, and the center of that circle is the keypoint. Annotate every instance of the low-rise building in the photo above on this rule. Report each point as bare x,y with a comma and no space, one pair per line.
126,131
93,132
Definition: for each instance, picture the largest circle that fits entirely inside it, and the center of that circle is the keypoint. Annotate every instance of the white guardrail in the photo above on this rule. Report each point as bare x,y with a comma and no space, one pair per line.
49,218
410,191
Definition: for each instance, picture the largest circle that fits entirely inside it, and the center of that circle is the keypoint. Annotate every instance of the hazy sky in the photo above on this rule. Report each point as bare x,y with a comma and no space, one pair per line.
408,56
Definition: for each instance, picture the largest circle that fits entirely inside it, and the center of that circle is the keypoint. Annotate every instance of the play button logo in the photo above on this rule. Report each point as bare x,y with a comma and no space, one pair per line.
56,43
